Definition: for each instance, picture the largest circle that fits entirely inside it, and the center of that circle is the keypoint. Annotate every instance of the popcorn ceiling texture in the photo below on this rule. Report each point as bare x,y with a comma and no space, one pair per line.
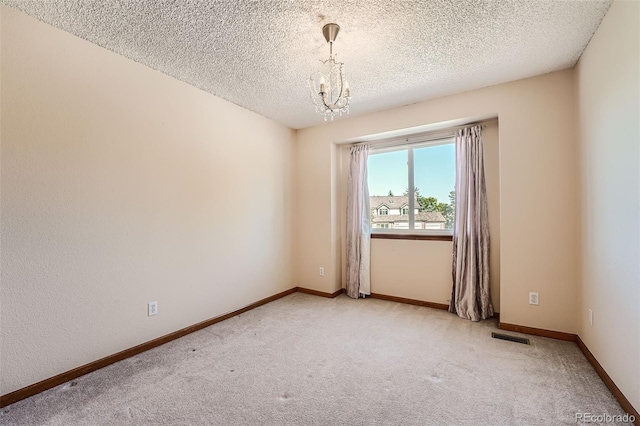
259,54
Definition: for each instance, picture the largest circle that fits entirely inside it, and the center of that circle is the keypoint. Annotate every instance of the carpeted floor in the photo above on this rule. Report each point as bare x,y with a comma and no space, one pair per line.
307,360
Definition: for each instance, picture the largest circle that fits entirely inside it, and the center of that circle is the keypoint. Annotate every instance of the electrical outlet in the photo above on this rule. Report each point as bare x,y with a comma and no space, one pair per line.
590,317
153,308
533,298
321,271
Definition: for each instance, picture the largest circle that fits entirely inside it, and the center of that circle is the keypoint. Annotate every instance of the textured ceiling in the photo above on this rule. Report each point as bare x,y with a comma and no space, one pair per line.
259,54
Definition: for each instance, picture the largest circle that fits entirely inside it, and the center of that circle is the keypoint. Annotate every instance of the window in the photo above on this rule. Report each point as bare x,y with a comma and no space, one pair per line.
418,177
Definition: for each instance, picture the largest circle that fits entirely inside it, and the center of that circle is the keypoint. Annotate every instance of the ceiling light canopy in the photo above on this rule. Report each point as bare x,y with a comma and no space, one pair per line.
328,86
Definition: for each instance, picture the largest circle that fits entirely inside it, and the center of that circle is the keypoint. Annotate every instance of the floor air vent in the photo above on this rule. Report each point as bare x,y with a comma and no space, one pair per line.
510,338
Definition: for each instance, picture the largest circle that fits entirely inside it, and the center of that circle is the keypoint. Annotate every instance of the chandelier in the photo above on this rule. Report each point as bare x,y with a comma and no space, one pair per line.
328,87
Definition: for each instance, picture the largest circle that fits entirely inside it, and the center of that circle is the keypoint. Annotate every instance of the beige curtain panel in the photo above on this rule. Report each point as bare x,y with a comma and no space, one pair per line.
470,297
358,225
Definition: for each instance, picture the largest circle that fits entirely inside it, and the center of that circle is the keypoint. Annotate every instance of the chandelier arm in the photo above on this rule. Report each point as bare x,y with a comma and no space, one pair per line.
337,105
341,83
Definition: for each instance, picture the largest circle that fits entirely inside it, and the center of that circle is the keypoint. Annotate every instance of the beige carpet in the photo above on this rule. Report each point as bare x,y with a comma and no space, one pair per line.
307,360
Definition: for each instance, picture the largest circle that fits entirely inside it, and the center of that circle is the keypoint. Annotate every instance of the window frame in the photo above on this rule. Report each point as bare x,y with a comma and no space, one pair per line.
411,233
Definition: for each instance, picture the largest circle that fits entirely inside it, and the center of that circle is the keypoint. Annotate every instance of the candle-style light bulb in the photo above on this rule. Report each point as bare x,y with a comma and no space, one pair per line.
322,84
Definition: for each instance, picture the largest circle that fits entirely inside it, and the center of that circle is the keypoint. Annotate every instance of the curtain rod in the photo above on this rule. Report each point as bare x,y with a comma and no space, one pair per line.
430,136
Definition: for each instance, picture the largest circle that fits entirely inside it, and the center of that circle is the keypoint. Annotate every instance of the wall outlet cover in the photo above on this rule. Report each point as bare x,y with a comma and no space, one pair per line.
153,308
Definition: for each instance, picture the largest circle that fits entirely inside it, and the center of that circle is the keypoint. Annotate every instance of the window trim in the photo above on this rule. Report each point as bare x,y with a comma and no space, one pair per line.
402,236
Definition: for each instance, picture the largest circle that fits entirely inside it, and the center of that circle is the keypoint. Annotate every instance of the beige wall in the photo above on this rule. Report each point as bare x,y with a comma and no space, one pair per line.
608,117
537,182
394,262
121,186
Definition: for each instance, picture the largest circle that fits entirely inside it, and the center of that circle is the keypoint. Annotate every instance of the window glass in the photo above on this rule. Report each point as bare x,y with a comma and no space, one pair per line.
433,187
435,180
387,178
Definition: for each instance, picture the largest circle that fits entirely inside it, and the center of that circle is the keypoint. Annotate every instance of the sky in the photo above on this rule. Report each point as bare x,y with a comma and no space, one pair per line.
434,168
